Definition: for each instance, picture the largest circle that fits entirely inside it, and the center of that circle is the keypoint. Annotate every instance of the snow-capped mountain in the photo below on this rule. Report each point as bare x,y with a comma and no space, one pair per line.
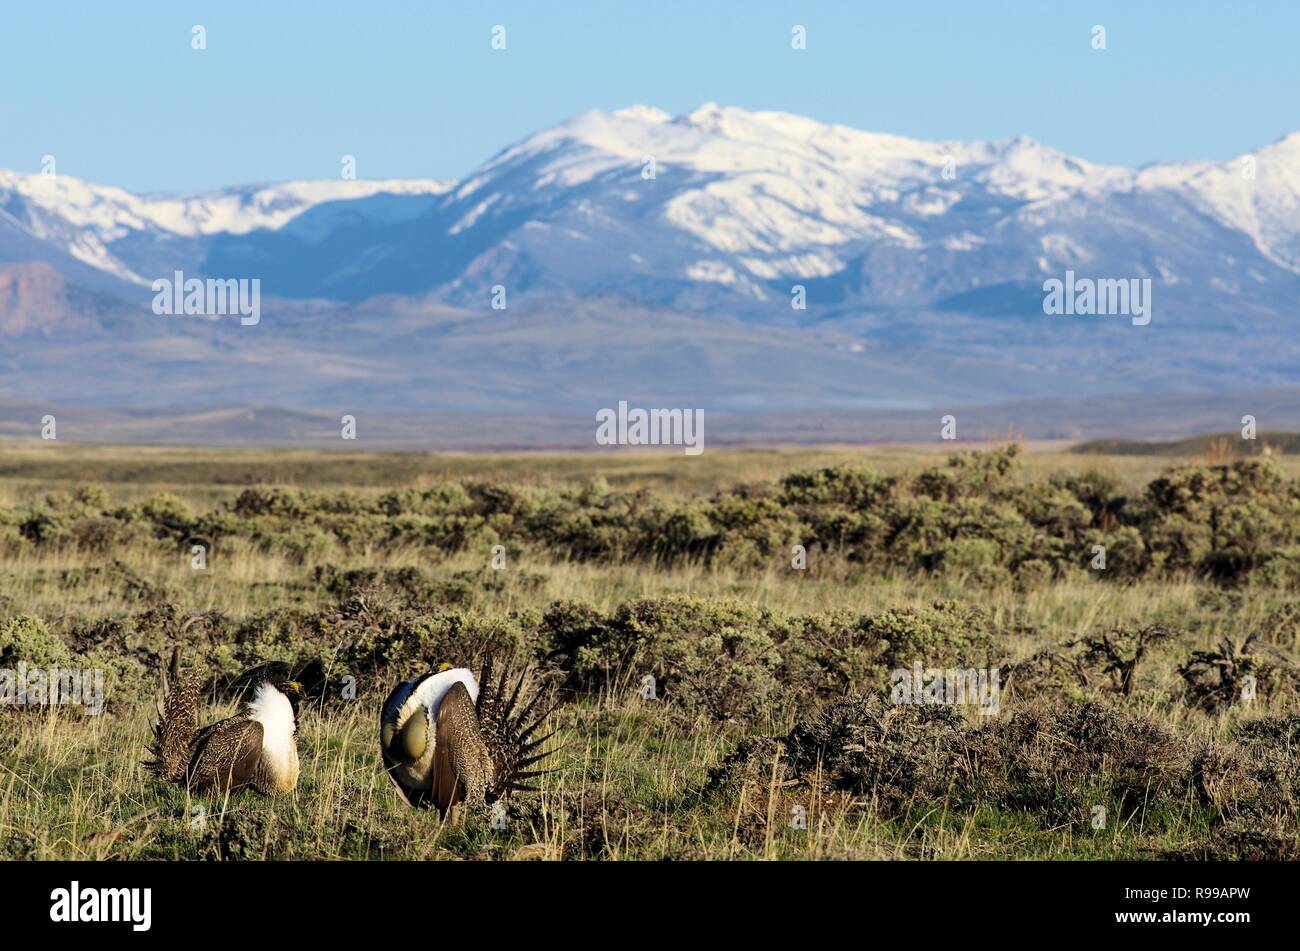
922,266
719,207
743,204
111,230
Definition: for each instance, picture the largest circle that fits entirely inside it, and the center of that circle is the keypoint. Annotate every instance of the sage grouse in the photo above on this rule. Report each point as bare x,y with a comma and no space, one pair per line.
257,748
447,738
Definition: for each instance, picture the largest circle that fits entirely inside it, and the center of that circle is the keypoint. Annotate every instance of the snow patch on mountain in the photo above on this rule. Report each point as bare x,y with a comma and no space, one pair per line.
84,219
110,212
716,201
1257,193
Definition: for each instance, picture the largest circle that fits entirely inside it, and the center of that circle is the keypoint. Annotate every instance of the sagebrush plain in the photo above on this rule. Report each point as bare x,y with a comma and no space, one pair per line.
1149,708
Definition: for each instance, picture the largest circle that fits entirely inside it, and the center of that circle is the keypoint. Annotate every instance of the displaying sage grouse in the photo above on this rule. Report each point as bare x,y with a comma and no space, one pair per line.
446,738
257,748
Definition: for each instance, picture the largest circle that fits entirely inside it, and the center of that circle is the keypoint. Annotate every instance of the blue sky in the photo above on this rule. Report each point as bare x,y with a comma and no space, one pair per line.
284,89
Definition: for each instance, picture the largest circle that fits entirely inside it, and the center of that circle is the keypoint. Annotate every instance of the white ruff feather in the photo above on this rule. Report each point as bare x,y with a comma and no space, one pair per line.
430,693
424,701
273,710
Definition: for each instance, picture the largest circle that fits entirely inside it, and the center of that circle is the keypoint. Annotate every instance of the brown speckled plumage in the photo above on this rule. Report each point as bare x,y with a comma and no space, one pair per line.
482,750
175,731
226,756
462,761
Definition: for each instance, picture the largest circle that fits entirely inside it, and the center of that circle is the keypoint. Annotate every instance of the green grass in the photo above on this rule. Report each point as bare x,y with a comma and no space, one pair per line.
632,778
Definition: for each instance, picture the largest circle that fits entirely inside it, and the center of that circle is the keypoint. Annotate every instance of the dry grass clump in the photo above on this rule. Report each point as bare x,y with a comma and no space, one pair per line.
1271,746
1060,758
1235,673
1056,761
894,756
1047,672
1243,840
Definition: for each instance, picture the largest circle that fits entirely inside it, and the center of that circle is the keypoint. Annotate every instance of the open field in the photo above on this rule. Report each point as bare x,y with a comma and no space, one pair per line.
1150,708
29,468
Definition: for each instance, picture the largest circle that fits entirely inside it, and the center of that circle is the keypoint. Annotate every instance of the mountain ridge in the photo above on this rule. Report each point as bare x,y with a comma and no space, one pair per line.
638,252
765,218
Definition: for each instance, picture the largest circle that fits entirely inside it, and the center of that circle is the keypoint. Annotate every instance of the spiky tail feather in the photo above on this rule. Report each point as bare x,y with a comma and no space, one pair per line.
509,730
176,728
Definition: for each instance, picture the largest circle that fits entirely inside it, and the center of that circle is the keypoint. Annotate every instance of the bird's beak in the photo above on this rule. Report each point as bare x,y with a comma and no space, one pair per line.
294,686
444,666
